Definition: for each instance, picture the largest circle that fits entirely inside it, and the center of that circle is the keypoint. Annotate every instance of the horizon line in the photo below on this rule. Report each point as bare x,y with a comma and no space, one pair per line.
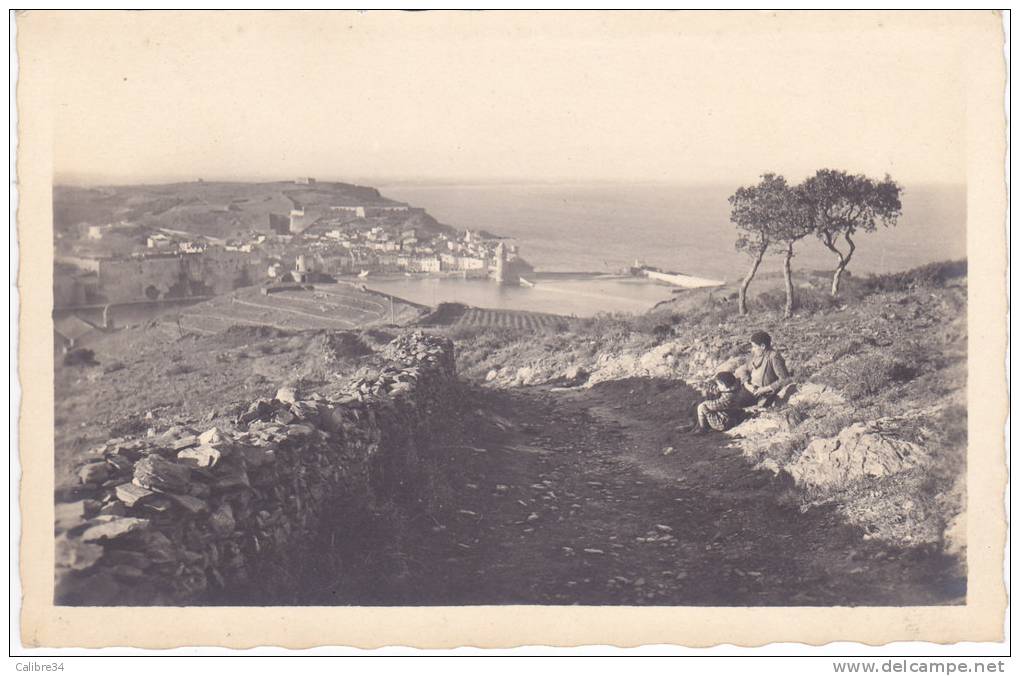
365,181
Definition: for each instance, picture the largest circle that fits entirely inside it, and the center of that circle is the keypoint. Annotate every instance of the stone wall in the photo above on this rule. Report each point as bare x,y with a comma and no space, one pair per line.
211,272
188,518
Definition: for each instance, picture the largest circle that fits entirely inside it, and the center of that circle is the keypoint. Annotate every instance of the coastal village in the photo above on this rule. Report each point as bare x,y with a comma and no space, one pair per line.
318,239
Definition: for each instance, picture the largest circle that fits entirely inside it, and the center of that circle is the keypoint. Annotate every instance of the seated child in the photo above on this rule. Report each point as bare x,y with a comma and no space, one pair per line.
723,412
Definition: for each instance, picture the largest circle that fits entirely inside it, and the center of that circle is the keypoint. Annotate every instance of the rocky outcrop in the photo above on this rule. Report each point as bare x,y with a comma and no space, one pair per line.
862,450
181,517
676,359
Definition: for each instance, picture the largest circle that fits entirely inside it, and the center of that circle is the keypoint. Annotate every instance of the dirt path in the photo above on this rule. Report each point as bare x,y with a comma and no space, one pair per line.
565,497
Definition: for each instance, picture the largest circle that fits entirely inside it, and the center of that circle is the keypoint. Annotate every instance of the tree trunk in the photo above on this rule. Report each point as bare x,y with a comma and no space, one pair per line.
843,262
742,299
837,275
788,278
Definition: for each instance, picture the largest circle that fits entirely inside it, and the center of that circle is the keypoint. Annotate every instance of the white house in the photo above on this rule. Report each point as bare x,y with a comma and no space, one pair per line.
158,241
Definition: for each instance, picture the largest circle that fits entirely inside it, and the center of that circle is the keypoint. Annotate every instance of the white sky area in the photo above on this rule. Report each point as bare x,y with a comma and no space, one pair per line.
504,97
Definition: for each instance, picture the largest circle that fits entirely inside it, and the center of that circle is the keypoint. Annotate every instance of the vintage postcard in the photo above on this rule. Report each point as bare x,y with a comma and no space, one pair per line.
492,329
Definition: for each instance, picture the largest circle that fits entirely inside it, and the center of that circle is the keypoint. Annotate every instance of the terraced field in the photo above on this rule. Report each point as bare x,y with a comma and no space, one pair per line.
328,306
455,314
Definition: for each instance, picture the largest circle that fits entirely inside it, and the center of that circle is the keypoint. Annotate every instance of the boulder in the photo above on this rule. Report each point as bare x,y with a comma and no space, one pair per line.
230,475
858,451
286,395
68,515
77,555
131,494
184,442
158,474
260,409
113,509
200,456
114,528
190,503
213,437
94,473
119,463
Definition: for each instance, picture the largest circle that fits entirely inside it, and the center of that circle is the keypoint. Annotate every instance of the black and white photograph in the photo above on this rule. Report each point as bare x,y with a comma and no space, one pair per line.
498,309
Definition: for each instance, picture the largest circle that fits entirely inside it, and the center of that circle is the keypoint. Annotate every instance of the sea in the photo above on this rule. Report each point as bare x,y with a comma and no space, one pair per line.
580,237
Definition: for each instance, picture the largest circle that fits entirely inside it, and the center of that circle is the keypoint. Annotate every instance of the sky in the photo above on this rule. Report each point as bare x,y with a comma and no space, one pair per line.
440,96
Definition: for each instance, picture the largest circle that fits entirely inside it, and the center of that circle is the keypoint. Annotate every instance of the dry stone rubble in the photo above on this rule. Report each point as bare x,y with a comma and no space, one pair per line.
172,518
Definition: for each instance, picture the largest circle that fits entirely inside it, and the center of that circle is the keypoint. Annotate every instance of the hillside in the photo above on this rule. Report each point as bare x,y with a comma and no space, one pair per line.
881,372
558,476
198,362
210,208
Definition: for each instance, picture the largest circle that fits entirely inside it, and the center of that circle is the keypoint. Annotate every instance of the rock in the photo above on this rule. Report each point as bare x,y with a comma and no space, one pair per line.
184,442
158,474
199,490
588,550
285,416
115,528
68,515
119,463
575,375
525,376
301,430
113,509
213,437
131,494
190,503
159,548
286,395
77,555
222,520
260,409
126,557
858,451
400,388
257,456
94,473
668,450
200,456
815,394
230,474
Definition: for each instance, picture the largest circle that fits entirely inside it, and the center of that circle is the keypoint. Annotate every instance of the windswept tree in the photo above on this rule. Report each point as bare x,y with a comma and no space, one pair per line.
843,204
757,211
